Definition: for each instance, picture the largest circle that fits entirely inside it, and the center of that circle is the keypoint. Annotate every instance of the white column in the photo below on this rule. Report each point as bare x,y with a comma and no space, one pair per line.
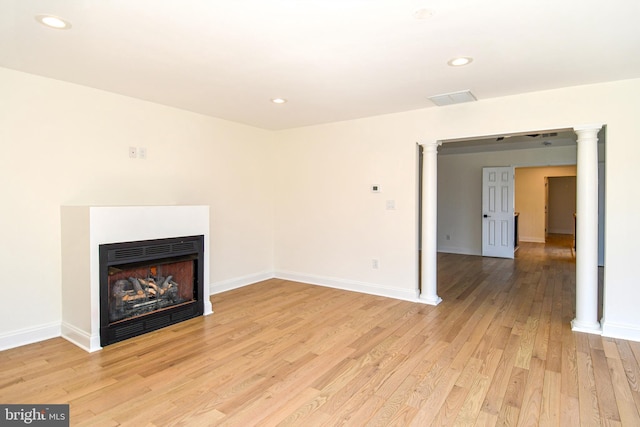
587,231
429,290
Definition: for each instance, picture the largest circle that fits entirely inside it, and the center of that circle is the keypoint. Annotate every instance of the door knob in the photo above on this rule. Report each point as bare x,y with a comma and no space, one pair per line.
487,216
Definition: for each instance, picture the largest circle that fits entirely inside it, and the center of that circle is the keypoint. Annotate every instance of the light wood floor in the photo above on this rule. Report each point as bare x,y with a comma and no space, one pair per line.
498,351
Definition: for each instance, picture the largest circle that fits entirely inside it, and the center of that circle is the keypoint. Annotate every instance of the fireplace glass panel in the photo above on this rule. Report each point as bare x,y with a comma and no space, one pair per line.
138,289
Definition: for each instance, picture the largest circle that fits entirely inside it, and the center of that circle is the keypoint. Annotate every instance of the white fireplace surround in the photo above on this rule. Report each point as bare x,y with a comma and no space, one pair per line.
84,228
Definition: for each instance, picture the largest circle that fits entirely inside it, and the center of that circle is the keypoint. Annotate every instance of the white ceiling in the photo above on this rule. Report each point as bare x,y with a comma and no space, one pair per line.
332,59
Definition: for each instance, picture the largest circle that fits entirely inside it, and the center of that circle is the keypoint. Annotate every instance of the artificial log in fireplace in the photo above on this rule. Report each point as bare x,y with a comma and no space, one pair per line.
147,285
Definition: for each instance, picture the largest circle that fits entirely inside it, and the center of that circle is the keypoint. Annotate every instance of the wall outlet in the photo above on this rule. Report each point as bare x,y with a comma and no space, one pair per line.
374,263
133,152
142,153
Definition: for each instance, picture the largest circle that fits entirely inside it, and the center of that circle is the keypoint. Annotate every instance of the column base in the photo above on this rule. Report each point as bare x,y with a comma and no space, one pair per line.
586,327
431,300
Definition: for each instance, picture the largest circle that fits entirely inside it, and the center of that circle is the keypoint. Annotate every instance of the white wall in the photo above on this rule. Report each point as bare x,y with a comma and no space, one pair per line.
329,226
63,144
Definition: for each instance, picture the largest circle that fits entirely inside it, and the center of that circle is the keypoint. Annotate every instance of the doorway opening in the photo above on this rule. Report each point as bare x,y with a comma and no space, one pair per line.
545,198
459,164
459,175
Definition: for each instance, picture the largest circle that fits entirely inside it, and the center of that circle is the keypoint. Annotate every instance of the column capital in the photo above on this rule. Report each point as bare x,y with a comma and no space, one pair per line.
428,143
591,127
431,146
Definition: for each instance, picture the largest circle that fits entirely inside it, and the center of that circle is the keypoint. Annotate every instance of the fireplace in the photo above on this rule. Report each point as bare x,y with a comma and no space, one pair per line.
149,284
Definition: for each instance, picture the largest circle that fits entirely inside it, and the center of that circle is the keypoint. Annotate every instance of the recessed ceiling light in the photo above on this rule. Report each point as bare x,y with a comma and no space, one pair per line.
460,61
278,100
53,22
423,13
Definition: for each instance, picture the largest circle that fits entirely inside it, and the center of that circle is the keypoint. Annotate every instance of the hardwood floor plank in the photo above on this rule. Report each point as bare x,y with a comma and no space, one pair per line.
622,395
401,418
589,410
569,368
532,395
528,336
570,415
448,411
432,393
486,420
542,338
472,405
396,400
426,356
604,387
515,388
500,381
508,416
631,369
551,399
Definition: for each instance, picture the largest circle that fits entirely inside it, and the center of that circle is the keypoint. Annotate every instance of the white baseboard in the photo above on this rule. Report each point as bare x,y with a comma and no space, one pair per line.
351,285
458,251
620,330
29,335
331,282
80,338
239,282
532,239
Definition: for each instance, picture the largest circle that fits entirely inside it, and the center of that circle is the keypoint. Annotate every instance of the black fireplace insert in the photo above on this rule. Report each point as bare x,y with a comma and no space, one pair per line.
149,284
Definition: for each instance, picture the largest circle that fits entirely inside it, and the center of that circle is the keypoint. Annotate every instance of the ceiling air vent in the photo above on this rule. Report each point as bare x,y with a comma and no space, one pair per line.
453,98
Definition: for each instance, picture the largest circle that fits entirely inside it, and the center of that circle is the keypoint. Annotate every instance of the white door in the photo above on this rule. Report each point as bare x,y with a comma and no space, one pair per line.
498,235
